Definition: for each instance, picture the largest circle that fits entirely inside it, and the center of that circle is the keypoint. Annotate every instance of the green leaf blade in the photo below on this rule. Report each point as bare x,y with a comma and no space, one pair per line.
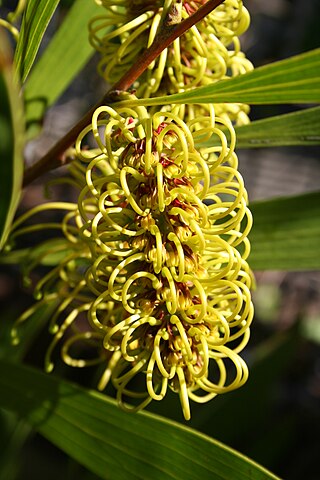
34,24
285,234
297,128
301,128
293,80
93,430
11,141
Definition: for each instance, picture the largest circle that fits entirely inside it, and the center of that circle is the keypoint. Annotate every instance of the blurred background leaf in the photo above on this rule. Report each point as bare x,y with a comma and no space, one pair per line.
11,139
286,233
296,128
66,54
13,435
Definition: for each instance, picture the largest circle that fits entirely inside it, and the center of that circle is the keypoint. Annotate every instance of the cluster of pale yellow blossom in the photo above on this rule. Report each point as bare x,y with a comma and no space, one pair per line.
208,52
154,274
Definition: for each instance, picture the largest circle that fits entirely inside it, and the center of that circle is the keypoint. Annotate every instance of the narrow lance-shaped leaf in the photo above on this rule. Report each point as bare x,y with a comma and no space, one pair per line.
11,140
286,233
113,444
64,57
13,434
297,128
294,80
34,24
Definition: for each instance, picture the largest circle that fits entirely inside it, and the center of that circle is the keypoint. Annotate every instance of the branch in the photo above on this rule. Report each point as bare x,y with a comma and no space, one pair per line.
56,156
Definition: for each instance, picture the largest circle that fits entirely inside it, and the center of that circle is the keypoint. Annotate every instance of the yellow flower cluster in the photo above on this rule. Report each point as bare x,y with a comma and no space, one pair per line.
164,219
153,272
208,52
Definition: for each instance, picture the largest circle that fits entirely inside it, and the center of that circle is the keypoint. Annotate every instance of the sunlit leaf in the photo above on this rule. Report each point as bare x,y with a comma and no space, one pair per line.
34,24
11,140
297,128
113,444
286,233
13,435
294,80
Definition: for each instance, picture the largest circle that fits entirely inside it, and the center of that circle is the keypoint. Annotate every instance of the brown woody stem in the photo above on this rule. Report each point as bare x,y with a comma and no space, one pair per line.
56,156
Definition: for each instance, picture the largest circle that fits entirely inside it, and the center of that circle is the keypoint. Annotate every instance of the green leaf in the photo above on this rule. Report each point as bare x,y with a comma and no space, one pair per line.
34,24
113,444
297,128
294,80
11,140
13,435
285,234
67,53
